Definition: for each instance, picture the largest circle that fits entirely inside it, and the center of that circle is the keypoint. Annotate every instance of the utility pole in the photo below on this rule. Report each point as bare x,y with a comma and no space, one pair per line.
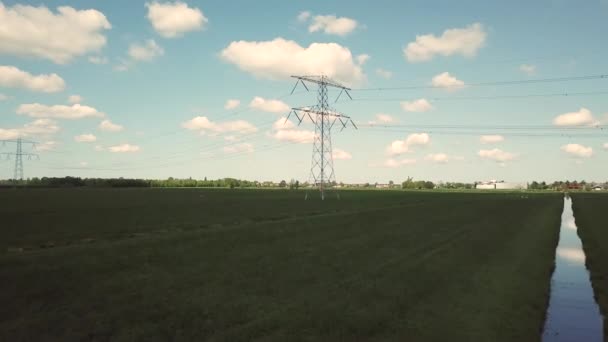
323,117
19,154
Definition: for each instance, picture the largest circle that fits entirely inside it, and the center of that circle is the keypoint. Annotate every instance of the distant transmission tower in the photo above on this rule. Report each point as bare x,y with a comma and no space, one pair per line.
18,172
324,117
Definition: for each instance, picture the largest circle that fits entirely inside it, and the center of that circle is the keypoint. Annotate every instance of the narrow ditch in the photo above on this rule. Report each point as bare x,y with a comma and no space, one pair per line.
573,314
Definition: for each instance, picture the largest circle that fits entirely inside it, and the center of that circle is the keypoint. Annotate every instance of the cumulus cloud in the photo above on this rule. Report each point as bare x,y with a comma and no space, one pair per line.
497,155
242,148
285,130
574,255
420,105
40,127
124,148
280,58
330,24
109,126
13,77
581,118
384,118
45,146
98,60
232,104
491,139
445,80
269,105
437,158
605,146
4,97
38,32
173,19
362,58
85,138
394,163
384,73
145,52
203,125
74,99
578,150
528,69
457,41
404,146
339,154
75,111
303,16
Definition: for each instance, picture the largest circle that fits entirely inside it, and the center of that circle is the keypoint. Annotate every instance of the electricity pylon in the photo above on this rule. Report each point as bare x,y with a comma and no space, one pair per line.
19,154
323,117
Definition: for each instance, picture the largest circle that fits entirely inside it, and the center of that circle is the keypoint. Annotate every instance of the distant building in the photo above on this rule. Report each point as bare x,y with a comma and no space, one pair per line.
500,185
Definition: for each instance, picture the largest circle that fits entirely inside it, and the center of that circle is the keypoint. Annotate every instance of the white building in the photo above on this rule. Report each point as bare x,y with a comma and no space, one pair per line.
500,185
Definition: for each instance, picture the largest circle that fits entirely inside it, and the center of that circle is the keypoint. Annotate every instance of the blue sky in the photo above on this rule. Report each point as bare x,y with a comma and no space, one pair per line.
134,66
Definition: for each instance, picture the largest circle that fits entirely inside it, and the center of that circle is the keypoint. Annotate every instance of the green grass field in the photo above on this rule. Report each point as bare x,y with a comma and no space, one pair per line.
590,216
242,265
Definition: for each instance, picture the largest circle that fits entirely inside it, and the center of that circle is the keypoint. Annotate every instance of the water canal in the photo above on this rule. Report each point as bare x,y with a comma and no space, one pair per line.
573,313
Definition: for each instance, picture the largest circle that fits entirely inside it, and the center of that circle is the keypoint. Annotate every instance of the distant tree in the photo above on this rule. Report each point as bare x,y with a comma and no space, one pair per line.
297,185
283,184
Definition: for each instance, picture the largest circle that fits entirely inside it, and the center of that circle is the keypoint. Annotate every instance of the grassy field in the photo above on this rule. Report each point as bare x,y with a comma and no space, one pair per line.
242,265
590,215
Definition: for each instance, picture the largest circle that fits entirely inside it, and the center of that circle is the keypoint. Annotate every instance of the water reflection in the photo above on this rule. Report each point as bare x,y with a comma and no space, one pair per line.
573,314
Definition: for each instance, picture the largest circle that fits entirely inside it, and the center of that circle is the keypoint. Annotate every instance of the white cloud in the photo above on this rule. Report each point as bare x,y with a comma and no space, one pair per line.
86,138
497,155
605,146
30,31
528,69
83,164
4,97
204,125
580,118
340,154
578,150
268,105
303,16
437,158
13,77
420,105
384,73
403,146
295,135
231,138
173,19
73,99
285,130
330,24
242,147
75,111
232,104
124,148
45,146
463,41
491,139
145,52
10,133
283,123
98,60
362,58
280,58
109,126
393,163
384,118
99,148
445,80
39,127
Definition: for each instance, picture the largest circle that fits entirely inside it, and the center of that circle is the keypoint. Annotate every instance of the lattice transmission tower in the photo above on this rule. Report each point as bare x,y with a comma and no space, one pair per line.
19,154
324,117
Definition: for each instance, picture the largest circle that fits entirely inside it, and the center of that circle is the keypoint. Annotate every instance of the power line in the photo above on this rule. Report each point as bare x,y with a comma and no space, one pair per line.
496,83
495,97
